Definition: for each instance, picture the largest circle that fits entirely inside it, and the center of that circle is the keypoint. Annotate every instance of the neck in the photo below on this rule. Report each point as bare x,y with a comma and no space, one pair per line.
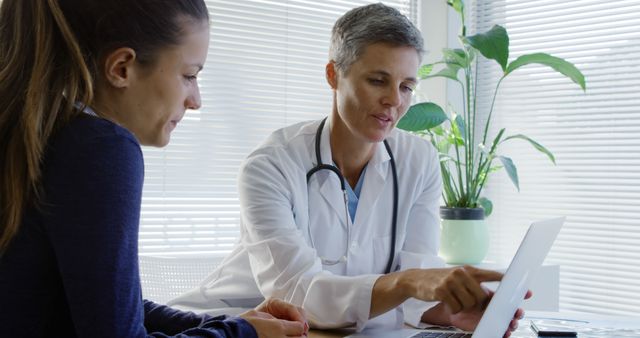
349,153
103,110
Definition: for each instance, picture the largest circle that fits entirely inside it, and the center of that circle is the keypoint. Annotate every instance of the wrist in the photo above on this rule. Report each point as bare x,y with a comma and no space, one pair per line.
389,291
406,283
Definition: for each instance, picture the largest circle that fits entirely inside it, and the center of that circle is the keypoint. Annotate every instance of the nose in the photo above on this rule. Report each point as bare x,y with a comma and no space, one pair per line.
392,97
193,101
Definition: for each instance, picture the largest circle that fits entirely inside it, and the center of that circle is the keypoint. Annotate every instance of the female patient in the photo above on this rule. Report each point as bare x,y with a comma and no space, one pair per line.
82,84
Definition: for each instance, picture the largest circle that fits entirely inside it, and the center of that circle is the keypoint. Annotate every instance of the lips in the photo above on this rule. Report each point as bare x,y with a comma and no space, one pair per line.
383,118
176,121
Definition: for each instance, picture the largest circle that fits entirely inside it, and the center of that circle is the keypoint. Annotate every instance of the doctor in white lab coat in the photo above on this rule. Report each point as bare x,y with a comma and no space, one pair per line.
301,242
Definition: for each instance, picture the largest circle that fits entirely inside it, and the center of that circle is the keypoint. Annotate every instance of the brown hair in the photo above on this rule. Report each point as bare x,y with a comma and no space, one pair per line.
49,56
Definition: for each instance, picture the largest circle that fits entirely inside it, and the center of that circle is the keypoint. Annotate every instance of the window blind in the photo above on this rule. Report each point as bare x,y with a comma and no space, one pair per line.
265,70
594,136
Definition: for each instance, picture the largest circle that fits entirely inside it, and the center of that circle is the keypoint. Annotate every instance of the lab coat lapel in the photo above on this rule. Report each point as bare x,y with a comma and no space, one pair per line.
328,181
378,171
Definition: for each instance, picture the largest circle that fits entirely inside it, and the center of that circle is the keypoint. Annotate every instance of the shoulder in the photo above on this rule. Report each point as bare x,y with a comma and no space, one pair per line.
417,160
291,137
92,130
86,137
93,148
288,146
411,147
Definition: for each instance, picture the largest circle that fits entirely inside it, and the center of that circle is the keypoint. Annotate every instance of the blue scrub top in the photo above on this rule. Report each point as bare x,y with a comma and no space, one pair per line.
353,195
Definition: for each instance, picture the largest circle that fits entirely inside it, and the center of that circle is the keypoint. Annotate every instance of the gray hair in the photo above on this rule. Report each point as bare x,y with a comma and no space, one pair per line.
366,25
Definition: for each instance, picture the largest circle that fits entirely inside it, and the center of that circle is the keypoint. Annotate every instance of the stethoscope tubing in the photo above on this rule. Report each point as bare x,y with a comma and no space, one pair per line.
321,166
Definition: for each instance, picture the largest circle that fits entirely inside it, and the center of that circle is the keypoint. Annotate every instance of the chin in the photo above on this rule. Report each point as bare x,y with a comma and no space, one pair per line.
158,141
163,141
378,136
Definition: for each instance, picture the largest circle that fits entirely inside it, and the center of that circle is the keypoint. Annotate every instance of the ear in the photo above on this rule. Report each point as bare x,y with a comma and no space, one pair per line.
119,67
331,74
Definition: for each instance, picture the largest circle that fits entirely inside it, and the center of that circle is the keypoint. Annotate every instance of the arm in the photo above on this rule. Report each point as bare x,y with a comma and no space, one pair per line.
459,288
93,194
273,318
461,298
420,249
163,321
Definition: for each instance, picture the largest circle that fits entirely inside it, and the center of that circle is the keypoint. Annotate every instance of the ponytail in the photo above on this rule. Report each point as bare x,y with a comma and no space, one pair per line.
49,56
42,75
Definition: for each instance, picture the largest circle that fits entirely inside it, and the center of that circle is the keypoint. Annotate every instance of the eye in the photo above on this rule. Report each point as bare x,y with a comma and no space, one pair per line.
407,89
191,78
376,82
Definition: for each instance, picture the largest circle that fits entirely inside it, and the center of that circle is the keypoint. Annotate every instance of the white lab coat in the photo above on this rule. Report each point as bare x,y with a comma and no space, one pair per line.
275,257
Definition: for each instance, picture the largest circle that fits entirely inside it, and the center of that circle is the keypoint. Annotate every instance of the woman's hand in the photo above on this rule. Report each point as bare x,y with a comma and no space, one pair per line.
275,318
283,310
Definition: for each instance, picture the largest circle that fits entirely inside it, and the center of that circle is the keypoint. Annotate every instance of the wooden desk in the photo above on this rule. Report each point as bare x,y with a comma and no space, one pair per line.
330,333
587,326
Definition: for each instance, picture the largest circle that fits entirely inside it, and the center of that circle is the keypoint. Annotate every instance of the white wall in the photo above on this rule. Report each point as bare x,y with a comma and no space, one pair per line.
433,22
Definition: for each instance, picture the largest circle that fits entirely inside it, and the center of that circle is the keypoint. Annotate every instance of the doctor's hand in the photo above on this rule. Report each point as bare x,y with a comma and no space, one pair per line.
468,320
459,288
275,318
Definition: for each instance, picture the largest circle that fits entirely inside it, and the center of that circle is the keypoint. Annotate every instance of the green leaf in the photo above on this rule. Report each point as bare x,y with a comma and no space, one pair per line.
457,5
425,70
450,71
560,65
486,204
493,44
447,158
511,170
444,146
494,169
472,54
496,141
455,56
461,127
455,136
438,130
535,144
422,116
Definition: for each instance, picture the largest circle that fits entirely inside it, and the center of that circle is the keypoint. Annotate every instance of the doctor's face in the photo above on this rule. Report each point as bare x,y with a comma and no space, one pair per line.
375,92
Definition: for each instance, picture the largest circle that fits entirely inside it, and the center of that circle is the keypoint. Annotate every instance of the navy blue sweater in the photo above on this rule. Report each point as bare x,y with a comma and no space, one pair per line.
72,269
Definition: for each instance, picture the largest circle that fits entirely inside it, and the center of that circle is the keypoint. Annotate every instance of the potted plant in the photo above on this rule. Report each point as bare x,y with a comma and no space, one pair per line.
466,157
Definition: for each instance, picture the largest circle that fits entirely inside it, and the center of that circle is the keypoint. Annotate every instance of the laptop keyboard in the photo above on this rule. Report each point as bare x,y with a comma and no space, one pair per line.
441,335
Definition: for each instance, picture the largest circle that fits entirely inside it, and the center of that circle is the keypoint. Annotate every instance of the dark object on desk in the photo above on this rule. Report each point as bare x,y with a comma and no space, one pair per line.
545,331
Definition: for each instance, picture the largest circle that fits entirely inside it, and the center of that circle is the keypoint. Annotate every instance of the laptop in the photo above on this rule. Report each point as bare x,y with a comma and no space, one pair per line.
509,295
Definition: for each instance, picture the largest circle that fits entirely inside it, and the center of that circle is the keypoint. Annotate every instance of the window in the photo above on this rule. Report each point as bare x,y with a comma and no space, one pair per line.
265,70
594,136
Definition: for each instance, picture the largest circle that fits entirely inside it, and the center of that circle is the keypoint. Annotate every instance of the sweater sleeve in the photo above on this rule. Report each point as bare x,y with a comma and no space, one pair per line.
162,321
92,191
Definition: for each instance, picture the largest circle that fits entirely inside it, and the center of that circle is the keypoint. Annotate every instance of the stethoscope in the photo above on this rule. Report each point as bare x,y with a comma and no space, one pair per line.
321,166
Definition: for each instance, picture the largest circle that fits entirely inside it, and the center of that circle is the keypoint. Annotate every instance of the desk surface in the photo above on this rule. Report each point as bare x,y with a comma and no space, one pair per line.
587,326
329,333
